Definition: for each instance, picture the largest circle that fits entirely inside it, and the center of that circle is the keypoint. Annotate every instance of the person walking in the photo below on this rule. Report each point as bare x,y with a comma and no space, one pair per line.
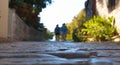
64,31
57,32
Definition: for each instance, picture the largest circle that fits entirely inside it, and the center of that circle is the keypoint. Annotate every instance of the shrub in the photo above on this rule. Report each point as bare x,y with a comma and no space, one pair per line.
99,28
49,35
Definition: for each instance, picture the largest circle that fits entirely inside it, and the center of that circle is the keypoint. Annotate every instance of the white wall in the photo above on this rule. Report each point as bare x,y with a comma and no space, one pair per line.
102,10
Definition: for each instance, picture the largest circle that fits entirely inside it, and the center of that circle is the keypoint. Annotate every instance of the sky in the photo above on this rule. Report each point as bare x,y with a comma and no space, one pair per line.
59,12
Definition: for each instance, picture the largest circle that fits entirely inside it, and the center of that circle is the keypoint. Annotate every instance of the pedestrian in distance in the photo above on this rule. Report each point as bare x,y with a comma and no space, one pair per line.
64,32
57,32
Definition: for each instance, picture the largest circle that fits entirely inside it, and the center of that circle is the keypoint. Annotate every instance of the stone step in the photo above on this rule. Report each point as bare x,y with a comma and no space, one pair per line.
77,54
54,61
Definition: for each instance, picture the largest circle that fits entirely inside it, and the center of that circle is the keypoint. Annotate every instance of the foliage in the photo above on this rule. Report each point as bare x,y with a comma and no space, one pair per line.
49,35
99,28
69,36
76,26
37,4
28,10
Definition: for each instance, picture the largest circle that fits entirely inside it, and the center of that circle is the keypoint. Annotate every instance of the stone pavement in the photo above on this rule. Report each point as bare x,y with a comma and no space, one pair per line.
59,53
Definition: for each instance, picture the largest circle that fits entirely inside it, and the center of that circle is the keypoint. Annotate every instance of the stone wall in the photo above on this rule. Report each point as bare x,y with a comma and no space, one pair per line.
19,31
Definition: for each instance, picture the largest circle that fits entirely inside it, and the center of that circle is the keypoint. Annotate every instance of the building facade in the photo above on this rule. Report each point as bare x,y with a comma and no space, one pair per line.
109,8
106,8
90,7
3,19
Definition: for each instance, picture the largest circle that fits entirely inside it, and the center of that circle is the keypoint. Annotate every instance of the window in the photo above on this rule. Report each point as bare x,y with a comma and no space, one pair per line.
111,4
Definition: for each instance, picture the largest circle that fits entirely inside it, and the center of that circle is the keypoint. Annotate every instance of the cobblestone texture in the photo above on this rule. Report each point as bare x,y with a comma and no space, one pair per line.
59,53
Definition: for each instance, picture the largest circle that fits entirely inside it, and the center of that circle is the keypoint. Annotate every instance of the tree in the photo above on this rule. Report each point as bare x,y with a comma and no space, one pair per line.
76,26
28,10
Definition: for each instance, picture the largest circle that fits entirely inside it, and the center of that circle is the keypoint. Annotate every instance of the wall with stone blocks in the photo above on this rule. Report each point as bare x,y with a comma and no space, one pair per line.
19,31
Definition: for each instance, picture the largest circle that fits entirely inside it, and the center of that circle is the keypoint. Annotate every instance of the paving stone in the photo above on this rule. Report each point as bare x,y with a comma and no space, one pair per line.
80,54
28,60
103,55
101,62
59,53
81,61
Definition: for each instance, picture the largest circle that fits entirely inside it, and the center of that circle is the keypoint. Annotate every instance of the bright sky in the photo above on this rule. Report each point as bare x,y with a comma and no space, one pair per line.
59,12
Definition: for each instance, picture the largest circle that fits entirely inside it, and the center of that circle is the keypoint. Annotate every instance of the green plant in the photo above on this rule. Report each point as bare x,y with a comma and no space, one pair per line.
49,35
78,36
99,28
76,26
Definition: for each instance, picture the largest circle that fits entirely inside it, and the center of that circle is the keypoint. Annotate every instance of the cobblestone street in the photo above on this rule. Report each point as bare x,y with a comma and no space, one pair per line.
59,53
